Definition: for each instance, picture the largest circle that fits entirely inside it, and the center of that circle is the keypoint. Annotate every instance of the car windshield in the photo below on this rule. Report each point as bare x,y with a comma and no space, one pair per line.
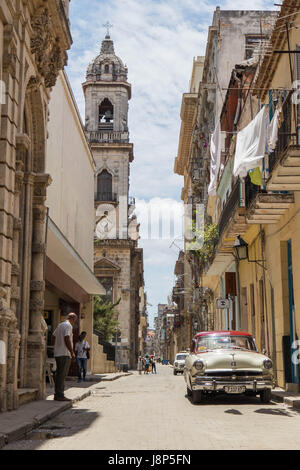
181,357
225,342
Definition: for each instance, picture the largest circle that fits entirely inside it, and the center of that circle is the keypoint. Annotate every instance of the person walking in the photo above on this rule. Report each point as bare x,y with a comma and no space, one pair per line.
140,365
64,354
82,352
146,365
153,366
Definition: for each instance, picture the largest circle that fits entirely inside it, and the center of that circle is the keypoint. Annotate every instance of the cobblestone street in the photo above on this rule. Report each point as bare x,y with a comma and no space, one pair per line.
153,412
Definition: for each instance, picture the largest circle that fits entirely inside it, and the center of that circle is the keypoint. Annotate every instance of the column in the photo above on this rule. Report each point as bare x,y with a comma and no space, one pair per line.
36,348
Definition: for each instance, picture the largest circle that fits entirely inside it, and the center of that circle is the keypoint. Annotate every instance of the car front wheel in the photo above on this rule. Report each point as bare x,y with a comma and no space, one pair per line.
196,396
188,392
265,396
175,373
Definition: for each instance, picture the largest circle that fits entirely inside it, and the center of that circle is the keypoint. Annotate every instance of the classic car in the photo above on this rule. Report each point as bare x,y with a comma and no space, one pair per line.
227,362
179,362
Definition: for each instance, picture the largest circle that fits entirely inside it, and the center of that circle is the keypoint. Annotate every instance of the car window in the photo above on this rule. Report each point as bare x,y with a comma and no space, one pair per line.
225,342
181,357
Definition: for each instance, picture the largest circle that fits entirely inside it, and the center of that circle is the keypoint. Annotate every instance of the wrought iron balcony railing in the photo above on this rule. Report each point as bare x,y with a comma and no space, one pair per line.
230,207
285,136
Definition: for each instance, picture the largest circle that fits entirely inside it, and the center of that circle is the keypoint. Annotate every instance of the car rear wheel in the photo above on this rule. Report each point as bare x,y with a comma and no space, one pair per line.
196,396
265,396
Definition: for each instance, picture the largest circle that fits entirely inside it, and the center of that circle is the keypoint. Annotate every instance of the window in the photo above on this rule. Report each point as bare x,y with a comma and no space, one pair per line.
108,284
106,68
252,42
104,186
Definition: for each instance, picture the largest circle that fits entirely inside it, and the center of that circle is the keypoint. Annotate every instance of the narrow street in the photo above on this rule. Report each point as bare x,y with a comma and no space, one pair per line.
153,412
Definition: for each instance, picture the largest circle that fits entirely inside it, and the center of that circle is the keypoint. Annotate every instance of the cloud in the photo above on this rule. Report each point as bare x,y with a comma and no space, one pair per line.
158,40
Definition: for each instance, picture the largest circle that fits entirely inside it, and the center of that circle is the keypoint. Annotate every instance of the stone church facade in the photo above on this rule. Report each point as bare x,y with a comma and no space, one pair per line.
34,37
118,260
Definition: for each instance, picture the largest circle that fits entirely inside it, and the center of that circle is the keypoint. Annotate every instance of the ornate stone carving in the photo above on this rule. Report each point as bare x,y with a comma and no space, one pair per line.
15,270
36,304
37,286
17,224
10,50
48,54
39,213
15,293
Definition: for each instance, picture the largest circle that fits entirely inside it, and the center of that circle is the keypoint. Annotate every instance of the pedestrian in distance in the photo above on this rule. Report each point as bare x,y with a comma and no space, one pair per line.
146,365
140,365
82,352
153,366
64,354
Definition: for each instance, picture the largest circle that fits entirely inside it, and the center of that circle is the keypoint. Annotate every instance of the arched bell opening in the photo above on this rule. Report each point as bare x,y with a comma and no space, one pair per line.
106,115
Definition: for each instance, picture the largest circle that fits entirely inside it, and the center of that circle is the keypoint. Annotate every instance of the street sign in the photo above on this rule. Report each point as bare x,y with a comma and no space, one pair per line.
223,303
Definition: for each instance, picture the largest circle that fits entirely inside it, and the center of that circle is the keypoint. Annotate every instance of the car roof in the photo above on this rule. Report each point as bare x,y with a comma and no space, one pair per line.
228,333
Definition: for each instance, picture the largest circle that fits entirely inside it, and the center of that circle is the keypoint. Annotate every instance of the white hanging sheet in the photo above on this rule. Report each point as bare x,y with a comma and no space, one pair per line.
215,160
250,145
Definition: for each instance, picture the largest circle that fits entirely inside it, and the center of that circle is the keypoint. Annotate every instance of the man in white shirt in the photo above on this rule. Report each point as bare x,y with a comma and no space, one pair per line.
63,353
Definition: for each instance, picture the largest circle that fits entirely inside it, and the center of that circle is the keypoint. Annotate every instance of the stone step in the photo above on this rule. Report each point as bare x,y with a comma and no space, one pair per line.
27,395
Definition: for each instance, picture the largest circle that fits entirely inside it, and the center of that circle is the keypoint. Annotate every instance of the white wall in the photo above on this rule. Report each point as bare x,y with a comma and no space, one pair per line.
70,164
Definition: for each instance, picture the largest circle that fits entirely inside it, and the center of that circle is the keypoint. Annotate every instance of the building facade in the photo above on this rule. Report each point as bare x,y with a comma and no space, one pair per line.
69,276
232,39
34,37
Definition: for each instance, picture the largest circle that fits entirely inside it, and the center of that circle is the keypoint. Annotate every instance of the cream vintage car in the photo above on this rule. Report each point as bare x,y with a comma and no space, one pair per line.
227,362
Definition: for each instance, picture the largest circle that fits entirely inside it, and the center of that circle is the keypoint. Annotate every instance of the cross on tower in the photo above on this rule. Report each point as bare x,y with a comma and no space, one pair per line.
108,26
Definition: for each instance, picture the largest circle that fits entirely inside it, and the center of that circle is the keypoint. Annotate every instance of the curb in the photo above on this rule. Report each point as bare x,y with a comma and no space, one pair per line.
290,401
22,430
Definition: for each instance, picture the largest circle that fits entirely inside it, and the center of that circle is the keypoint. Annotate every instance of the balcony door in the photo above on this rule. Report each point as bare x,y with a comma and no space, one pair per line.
293,334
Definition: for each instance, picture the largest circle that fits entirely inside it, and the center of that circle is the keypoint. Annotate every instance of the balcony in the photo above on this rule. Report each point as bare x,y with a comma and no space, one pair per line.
284,162
263,207
232,223
106,197
107,137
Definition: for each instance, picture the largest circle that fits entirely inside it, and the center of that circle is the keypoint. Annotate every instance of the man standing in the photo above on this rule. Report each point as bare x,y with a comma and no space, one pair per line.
63,353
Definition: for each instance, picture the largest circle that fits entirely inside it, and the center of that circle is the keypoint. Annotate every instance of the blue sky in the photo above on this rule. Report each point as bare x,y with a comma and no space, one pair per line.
158,41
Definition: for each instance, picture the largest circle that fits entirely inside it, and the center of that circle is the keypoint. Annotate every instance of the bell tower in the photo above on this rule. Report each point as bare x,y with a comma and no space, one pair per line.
117,258
107,93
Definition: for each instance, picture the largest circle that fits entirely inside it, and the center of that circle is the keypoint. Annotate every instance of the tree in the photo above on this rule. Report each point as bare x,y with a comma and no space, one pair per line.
106,318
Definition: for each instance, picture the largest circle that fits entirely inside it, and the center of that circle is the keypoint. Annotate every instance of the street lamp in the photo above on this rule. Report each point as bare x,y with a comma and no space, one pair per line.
241,250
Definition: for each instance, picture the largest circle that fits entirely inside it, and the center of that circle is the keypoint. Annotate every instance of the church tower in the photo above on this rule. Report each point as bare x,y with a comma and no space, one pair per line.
118,259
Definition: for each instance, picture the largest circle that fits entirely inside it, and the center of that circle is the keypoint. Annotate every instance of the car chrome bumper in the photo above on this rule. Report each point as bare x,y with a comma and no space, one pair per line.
215,385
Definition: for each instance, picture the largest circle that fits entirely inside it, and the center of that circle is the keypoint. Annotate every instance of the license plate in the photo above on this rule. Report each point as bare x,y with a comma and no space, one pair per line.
235,389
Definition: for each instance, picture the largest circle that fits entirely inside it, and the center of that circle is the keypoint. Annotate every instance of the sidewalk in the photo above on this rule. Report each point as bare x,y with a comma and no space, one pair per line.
288,398
14,425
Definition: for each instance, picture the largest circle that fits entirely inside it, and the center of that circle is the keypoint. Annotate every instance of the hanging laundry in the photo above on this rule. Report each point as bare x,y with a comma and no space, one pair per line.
256,176
215,161
274,125
250,145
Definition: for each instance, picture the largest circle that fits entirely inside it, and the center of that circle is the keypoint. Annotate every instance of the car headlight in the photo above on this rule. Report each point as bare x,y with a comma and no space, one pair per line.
176,364
268,364
199,365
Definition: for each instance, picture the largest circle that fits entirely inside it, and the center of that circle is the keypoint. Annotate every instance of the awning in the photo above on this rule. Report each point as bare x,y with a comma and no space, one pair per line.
62,253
